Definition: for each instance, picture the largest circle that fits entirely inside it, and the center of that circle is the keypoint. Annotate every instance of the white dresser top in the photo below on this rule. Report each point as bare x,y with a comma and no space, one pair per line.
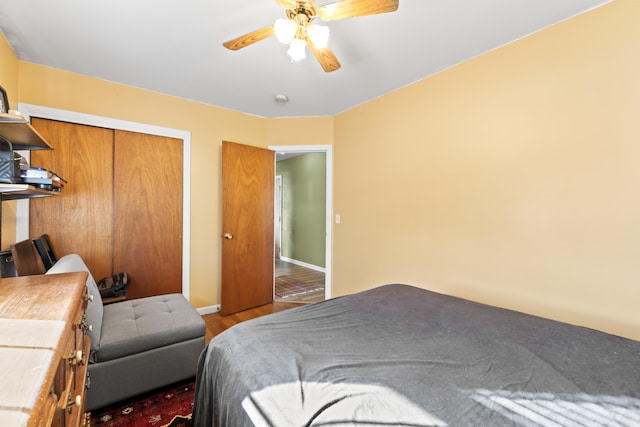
27,348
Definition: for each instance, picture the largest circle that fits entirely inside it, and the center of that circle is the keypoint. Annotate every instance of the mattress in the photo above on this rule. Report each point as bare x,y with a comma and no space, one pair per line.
404,356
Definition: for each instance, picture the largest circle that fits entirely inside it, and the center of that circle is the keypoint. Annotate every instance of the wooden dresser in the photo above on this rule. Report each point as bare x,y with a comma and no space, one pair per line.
43,350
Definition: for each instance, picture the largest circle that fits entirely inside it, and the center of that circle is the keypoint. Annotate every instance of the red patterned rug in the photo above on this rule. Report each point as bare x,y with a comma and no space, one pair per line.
287,287
168,407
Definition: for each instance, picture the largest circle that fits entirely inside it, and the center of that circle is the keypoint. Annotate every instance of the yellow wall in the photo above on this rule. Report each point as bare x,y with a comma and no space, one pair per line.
208,125
8,72
300,131
511,179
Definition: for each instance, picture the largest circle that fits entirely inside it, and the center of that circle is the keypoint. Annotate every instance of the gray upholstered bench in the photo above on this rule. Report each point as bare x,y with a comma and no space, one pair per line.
137,345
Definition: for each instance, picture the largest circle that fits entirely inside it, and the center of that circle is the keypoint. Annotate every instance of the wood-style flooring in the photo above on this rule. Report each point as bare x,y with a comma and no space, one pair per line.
216,323
303,274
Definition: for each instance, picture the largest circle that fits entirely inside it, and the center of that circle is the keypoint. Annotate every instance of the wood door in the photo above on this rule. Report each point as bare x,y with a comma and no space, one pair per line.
80,219
122,208
247,227
148,212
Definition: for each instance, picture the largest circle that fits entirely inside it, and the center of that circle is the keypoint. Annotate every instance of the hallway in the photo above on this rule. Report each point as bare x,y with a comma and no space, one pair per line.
295,283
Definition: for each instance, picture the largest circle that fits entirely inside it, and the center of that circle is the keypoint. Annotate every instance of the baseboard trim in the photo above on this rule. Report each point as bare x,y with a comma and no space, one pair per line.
216,308
208,310
303,264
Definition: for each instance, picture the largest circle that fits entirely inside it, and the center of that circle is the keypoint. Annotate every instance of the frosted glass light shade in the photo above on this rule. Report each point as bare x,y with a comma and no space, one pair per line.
319,35
297,49
285,30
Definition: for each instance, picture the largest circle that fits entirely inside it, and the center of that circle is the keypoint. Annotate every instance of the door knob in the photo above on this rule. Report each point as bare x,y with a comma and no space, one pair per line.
228,236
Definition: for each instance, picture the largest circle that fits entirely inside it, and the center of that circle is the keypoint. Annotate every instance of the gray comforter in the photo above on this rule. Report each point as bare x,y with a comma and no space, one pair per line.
403,356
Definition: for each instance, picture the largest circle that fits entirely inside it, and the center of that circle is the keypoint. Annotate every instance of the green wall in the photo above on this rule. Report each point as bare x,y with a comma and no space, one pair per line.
304,208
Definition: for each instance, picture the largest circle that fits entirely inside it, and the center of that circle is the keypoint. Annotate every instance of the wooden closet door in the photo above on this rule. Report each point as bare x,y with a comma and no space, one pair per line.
80,219
122,208
148,212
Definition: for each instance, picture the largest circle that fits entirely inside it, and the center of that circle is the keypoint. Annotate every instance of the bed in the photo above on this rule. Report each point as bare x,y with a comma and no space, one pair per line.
398,355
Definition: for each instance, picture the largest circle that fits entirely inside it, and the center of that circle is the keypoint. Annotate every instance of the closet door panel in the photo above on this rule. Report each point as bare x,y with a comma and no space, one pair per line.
80,219
148,212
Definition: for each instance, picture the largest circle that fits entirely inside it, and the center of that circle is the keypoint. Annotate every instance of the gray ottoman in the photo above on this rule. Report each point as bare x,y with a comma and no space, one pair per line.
145,344
137,345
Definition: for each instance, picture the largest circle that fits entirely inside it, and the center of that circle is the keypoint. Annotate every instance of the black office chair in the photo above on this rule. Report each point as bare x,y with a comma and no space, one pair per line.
45,250
112,288
7,266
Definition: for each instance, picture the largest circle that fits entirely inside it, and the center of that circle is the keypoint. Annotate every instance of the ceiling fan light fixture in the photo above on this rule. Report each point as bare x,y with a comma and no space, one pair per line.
285,30
298,30
297,49
319,35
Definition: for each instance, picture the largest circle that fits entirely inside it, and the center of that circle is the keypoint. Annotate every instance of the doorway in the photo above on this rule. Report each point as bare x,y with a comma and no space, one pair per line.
309,272
277,218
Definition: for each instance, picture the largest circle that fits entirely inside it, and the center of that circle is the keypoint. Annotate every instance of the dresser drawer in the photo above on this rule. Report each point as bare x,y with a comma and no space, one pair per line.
45,350
72,370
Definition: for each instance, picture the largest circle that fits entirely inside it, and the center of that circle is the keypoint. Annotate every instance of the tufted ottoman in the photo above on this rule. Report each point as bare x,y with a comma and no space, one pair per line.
137,345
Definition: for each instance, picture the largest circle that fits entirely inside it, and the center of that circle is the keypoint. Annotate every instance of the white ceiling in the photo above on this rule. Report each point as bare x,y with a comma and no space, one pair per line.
175,47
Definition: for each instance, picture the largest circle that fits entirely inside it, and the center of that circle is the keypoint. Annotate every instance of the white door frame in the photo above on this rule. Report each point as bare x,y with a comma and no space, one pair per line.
22,208
328,149
278,216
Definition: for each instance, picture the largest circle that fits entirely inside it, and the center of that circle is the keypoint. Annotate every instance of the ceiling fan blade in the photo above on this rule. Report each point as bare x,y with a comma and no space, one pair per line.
249,39
325,57
351,8
287,4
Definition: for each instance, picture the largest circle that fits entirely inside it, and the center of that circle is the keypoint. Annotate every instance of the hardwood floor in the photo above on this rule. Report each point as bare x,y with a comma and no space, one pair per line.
303,274
216,323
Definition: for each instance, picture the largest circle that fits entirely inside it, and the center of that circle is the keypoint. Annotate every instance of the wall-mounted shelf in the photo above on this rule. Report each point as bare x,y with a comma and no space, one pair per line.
23,191
22,135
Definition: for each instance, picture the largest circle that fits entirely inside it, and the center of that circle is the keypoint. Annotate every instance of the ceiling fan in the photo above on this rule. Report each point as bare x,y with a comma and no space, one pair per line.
299,29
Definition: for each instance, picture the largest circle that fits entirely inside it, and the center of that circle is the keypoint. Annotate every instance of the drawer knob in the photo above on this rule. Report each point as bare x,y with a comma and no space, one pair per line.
71,402
84,325
77,357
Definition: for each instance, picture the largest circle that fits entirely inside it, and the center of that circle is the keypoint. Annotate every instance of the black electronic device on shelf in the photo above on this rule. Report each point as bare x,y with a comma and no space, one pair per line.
9,163
17,133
